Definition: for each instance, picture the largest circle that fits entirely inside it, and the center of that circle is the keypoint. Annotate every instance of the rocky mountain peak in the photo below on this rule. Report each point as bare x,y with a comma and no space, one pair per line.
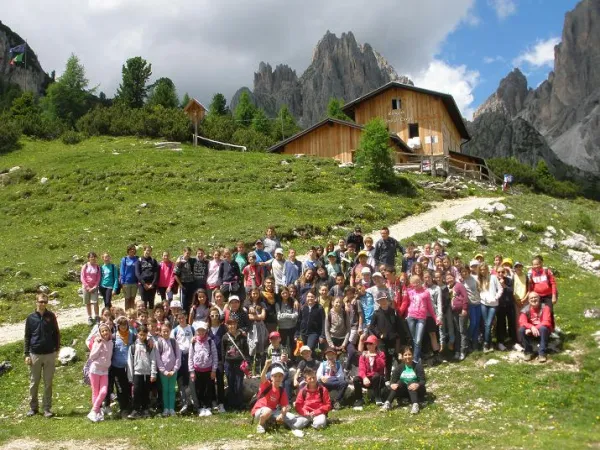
509,98
340,68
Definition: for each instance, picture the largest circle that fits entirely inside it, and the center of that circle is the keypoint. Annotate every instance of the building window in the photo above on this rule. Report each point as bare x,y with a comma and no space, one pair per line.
413,130
396,103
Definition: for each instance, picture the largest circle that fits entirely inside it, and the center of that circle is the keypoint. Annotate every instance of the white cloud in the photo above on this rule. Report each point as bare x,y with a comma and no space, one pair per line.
493,59
215,46
503,8
458,81
538,56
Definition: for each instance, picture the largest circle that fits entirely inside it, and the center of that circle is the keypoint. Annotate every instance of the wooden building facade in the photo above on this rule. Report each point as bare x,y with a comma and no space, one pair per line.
330,138
428,121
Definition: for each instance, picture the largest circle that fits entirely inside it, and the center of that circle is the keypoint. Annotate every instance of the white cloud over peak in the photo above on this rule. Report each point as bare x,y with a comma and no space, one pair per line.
538,56
215,46
458,81
493,59
503,8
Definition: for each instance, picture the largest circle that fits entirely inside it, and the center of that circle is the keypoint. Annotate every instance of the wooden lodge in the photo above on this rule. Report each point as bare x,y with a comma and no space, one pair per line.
425,127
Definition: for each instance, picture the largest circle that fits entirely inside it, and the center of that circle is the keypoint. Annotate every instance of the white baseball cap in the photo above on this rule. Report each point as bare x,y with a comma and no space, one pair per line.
201,325
277,369
279,251
176,304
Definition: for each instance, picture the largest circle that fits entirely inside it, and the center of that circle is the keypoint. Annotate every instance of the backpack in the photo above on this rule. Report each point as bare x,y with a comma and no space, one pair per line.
304,393
173,344
256,397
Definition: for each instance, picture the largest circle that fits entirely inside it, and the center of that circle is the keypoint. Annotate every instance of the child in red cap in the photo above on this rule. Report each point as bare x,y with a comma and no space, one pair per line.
371,369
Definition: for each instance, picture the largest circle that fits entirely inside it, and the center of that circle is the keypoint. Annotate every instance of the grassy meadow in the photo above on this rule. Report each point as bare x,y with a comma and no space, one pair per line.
106,193
511,404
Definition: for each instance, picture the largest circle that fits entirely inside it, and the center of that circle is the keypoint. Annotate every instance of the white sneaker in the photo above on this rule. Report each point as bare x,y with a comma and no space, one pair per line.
298,433
100,416
221,408
415,408
502,347
518,347
260,429
207,412
93,416
386,406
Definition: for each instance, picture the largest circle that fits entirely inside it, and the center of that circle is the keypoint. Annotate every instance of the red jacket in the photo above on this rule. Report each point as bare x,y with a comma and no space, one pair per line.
542,281
402,301
530,318
313,403
365,369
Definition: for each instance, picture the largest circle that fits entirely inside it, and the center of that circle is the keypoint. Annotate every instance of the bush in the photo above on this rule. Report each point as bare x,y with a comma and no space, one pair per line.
375,156
585,222
252,139
71,137
10,132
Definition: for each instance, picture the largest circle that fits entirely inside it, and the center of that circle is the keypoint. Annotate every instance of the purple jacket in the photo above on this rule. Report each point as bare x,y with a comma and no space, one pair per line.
168,357
203,355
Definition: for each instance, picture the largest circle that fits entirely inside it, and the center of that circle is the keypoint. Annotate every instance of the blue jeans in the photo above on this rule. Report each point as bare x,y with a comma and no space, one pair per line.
488,313
474,320
528,339
417,328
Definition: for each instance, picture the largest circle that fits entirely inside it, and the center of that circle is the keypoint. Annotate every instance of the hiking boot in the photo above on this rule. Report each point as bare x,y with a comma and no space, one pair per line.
134,415
48,414
386,407
542,358
527,357
415,408
31,412
90,321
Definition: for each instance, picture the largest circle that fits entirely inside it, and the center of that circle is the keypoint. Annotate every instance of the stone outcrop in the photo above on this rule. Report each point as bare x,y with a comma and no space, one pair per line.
340,68
33,78
559,121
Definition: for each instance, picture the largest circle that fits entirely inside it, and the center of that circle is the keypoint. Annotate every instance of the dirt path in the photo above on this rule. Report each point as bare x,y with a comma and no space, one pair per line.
440,211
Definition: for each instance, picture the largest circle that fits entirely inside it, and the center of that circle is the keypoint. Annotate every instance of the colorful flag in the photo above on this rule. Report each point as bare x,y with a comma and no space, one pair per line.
18,48
17,59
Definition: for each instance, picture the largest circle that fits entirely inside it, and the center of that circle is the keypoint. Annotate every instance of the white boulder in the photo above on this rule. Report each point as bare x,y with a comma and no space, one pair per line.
14,169
44,180
522,236
440,230
549,242
471,229
575,244
67,355
551,229
510,228
509,216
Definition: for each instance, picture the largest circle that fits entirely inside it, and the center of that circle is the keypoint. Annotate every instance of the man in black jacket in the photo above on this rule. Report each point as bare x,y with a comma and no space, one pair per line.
356,238
386,249
42,341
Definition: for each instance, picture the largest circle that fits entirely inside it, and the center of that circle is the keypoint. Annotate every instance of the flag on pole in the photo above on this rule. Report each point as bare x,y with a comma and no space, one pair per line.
17,59
18,49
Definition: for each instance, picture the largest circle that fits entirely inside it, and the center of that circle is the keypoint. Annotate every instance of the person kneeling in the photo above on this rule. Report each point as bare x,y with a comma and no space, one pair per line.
272,402
407,381
312,404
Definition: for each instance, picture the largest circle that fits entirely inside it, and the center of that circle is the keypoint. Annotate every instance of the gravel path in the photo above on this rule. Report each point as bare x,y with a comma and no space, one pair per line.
440,211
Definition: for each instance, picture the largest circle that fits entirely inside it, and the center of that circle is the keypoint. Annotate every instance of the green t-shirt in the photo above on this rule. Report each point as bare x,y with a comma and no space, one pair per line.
408,375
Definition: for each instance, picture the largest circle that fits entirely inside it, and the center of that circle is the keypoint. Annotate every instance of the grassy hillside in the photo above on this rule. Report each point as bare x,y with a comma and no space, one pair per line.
95,191
507,405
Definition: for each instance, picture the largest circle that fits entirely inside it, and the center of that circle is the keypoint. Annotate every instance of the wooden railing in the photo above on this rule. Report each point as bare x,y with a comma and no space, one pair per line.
423,163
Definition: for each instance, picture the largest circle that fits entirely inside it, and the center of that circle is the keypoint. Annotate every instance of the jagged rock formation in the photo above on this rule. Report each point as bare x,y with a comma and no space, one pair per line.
33,78
340,68
559,121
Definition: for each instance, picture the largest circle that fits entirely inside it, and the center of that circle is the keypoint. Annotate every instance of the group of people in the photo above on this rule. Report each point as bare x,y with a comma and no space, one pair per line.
358,316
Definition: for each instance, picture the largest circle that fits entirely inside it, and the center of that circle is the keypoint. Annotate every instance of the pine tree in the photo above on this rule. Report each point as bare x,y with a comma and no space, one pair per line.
185,100
163,93
245,110
261,123
334,109
218,105
133,88
285,125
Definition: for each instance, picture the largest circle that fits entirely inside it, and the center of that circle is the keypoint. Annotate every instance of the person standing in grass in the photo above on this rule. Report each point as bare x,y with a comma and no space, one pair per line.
202,365
229,275
42,342
212,278
505,313
311,318
292,268
90,280
147,272
408,381
184,275
234,350
520,289
271,241
216,331
109,282
127,276
183,334
419,306
141,370
472,287
459,305
165,278
100,357
124,338
168,361
490,292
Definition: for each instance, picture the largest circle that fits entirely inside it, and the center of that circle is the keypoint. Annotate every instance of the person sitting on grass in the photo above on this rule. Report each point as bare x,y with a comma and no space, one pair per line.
331,375
272,402
535,323
408,381
312,403
371,371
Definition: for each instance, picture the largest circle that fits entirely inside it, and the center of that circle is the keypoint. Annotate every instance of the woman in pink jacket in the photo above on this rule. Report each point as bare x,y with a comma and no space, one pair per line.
100,357
91,275
420,305
165,278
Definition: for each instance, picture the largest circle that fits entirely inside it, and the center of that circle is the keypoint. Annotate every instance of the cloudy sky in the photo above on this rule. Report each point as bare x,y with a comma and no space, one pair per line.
463,47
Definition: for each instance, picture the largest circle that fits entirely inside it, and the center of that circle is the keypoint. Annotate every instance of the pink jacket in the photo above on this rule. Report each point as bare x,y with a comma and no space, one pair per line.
420,303
165,274
168,356
90,275
101,356
459,298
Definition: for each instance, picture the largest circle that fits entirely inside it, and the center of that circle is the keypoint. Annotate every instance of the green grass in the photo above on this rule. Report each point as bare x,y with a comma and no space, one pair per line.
508,405
197,197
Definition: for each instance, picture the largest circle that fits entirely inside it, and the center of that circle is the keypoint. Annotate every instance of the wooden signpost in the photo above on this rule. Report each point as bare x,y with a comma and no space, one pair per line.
196,112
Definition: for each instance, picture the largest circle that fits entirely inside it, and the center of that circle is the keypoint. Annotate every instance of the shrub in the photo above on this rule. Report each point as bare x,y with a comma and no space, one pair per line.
10,132
71,137
375,156
585,222
252,139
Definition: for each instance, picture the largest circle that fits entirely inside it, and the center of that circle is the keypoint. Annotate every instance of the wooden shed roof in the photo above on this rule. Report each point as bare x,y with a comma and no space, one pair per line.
193,103
279,146
448,100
